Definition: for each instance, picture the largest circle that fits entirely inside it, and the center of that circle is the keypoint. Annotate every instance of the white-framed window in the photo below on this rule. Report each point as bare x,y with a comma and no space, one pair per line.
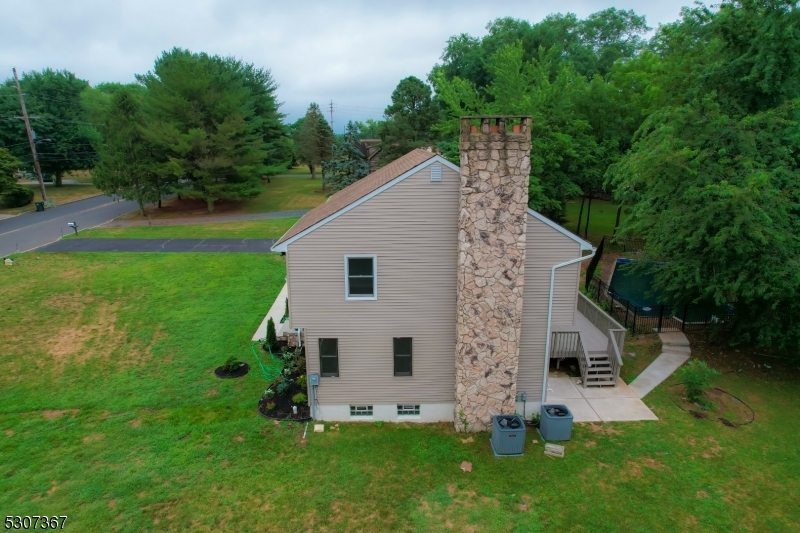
361,277
360,410
407,410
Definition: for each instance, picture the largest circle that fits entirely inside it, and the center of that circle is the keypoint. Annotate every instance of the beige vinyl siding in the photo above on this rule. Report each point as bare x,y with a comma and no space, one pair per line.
412,228
545,247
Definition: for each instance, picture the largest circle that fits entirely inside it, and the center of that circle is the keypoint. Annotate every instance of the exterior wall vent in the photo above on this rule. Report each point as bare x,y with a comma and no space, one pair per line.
436,172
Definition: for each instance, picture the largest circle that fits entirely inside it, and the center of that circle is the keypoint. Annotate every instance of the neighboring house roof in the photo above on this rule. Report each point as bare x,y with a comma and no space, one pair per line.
375,183
359,190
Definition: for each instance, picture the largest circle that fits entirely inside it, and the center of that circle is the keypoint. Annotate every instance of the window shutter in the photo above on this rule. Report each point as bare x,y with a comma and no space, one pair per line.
436,172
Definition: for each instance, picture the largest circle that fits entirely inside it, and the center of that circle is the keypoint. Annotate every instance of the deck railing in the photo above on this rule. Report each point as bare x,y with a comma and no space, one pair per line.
614,357
602,321
570,344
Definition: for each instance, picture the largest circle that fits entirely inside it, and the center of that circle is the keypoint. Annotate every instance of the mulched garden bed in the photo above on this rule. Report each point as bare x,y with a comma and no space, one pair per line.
728,409
282,408
221,373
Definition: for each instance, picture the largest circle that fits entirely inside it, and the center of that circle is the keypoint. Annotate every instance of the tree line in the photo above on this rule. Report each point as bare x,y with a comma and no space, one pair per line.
694,132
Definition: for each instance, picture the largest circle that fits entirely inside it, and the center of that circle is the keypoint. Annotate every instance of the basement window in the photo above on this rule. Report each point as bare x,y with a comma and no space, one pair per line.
360,410
361,277
407,410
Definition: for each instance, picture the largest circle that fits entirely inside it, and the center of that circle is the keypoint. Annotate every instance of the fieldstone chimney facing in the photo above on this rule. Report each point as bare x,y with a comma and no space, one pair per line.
495,164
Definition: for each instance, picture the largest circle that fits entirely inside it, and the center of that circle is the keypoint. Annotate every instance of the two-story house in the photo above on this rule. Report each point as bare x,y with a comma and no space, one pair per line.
429,292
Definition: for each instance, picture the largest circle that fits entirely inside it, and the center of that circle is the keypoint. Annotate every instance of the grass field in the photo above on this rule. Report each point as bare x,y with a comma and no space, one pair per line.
303,169
252,229
61,195
112,416
601,221
282,194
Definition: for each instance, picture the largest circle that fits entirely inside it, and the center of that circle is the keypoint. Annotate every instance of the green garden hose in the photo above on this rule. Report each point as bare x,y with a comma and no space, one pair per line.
271,372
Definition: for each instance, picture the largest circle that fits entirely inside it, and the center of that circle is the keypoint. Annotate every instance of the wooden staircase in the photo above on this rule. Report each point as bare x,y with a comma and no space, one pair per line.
599,371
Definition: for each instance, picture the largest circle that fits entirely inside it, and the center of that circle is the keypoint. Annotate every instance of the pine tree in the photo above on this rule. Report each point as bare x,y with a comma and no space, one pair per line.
214,120
347,164
313,139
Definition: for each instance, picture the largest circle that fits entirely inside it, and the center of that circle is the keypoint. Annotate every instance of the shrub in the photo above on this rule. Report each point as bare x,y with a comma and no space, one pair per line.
696,377
17,196
269,394
272,337
231,364
283,386
270,406
302,382
299,398
299,363
286,309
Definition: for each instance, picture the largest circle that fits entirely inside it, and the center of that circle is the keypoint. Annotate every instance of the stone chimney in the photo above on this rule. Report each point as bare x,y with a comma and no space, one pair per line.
495,164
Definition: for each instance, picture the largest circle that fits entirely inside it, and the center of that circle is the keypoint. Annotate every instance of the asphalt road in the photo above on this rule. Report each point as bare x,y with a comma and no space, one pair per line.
31,230
161,245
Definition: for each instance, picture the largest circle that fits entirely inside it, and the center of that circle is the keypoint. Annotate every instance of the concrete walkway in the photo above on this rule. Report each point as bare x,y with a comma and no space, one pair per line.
183,221
675,351
596,404
275,313
161,245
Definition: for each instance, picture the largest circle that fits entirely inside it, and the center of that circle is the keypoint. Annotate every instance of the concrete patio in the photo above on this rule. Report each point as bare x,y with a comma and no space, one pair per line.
596,404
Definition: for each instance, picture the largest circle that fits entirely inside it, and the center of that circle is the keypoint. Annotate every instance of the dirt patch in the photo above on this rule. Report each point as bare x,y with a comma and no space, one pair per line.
55,414
112,504
239,438
52,489
703,495
212,392
602,428
713,449
74,343
135,423
93,438
450,509
725,408
590,444
9,433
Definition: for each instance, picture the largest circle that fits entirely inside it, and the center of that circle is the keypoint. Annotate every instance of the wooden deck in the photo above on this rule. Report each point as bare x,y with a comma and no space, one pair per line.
596,340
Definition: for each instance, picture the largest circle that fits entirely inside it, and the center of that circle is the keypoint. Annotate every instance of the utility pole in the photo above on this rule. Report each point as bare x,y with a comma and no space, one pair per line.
30,137
331,108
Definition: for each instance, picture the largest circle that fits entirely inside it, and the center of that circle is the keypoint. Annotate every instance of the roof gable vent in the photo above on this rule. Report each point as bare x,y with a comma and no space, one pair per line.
436,172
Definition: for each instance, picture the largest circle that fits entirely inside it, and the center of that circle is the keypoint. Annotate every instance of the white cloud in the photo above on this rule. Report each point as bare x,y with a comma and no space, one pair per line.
353,53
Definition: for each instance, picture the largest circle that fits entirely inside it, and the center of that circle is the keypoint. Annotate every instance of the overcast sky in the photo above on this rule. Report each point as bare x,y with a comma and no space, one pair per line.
353,53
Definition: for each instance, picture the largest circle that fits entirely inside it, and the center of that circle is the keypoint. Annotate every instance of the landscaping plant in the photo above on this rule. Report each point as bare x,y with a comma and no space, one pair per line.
299,398
231,364
696,377
272,337
301,381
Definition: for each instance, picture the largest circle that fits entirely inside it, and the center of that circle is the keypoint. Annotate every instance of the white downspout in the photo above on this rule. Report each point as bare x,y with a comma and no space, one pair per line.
550,318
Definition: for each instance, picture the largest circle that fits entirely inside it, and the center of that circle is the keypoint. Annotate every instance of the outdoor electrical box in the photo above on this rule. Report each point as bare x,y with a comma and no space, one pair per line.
313,379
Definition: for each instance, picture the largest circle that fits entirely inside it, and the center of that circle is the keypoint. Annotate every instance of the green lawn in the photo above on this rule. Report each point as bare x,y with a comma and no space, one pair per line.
281,194
303,169
601,221
112,416
252,229
61,195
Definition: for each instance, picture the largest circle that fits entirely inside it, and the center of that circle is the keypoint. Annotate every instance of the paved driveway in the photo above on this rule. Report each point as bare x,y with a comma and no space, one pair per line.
161,245
31,230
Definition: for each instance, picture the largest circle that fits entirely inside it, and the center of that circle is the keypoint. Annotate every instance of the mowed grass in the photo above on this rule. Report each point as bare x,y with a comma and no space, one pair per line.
112,416
303,169
601,221
282,194
61,195
251,229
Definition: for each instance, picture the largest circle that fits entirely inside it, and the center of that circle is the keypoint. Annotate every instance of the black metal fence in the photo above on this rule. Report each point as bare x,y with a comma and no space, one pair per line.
623,246
659,318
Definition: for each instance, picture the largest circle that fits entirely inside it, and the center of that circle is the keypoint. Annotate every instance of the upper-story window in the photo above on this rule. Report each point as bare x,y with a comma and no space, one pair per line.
361,277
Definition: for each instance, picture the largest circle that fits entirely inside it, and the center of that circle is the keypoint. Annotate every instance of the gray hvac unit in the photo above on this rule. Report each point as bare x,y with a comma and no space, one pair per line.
508,435
556,422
